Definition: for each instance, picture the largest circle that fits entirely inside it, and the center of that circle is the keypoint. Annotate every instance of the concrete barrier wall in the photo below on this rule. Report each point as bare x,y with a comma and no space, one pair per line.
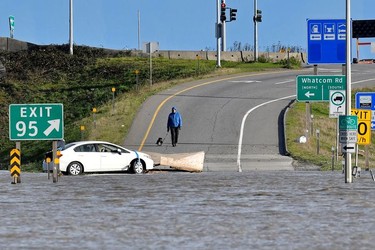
233,56
172,54
13,45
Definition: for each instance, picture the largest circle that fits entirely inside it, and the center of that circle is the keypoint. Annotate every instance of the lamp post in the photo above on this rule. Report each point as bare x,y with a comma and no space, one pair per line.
71,27
139,30
348,156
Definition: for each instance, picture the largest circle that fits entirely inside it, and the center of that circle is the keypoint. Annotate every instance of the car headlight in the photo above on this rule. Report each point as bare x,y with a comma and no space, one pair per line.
147,156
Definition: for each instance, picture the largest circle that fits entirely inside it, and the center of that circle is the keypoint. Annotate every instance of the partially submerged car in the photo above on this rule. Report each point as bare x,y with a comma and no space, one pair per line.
100,156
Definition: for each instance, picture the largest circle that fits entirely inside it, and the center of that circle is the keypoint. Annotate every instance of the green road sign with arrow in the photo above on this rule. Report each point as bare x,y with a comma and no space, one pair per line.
36,122
316,87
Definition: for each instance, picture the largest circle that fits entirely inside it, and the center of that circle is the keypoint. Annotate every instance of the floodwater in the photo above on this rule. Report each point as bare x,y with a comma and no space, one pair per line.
210,210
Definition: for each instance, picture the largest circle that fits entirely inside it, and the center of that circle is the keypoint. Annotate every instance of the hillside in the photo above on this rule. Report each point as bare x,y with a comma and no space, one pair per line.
48,74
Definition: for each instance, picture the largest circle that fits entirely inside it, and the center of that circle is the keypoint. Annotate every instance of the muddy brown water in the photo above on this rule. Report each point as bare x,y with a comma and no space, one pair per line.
209,210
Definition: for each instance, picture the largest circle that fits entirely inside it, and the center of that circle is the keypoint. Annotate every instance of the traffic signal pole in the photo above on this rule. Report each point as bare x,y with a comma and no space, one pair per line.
218,33
255,33
224,32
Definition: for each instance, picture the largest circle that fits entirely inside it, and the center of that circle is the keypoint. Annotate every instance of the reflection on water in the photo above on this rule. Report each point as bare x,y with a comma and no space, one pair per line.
211,210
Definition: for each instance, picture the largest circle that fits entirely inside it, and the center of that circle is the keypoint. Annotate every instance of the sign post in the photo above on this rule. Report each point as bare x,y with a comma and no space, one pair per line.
36,122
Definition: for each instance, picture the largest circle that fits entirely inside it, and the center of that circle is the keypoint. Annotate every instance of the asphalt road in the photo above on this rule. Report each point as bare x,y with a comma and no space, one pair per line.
236,120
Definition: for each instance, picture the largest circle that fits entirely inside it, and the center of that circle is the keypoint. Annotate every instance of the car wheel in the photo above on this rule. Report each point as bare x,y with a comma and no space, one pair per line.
75,168
138,167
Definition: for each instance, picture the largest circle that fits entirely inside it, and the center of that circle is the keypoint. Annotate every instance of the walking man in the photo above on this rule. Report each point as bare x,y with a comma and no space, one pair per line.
174,124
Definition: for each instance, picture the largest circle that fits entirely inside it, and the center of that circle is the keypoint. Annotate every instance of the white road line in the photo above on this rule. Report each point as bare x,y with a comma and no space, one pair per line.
285,82
248,81
243,125
366,80
262,104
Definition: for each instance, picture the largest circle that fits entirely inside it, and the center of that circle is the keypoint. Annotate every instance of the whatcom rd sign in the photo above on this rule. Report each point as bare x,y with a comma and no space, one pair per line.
317,87
36,122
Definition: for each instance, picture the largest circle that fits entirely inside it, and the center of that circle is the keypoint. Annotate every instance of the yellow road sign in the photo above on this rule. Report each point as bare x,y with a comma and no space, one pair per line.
15,163
364,126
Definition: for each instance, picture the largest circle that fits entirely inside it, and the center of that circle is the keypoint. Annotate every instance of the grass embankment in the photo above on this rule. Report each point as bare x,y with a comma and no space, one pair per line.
297,125
84,81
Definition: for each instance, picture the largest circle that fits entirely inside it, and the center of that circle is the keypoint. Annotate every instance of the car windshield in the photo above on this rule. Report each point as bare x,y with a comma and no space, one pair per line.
68,146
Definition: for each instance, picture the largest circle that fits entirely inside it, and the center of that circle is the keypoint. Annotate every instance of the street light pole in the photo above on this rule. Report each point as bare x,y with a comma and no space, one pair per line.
71,27
348,156
255,33
139,30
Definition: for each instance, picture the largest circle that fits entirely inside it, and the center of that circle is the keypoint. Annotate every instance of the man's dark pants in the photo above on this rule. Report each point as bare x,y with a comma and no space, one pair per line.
174,135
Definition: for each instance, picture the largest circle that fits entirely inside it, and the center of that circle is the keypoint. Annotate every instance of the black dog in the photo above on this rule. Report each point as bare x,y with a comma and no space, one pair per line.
159,142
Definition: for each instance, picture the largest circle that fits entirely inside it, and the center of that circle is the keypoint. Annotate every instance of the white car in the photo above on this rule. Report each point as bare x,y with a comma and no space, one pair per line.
100,156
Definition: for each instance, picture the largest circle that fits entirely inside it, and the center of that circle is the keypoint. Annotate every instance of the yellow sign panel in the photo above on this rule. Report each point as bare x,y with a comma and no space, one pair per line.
364,126
15,162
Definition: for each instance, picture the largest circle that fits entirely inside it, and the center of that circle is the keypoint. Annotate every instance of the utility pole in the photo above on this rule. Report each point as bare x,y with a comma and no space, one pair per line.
150,44
348,156
139,30
71,27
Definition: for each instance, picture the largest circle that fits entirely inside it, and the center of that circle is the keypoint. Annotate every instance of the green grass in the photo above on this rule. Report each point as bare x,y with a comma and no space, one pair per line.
296,126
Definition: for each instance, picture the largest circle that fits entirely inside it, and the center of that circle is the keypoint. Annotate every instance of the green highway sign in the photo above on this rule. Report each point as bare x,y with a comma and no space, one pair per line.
11,22
36,122
316,87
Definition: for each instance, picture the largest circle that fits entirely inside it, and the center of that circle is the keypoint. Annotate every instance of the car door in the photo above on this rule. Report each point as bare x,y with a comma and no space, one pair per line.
88,155
113,158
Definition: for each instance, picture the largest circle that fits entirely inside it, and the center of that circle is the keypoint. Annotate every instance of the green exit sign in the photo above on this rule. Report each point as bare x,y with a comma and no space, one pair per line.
36,122
317,87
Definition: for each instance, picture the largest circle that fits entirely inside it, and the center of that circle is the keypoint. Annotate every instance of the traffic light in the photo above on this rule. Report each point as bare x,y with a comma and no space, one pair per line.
233,14
223,18
258,16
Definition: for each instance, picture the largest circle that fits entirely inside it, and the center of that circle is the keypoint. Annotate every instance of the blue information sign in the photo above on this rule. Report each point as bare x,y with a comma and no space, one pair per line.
326,41
366,100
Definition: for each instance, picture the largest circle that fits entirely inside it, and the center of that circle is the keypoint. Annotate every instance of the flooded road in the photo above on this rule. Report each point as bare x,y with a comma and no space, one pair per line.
209,210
